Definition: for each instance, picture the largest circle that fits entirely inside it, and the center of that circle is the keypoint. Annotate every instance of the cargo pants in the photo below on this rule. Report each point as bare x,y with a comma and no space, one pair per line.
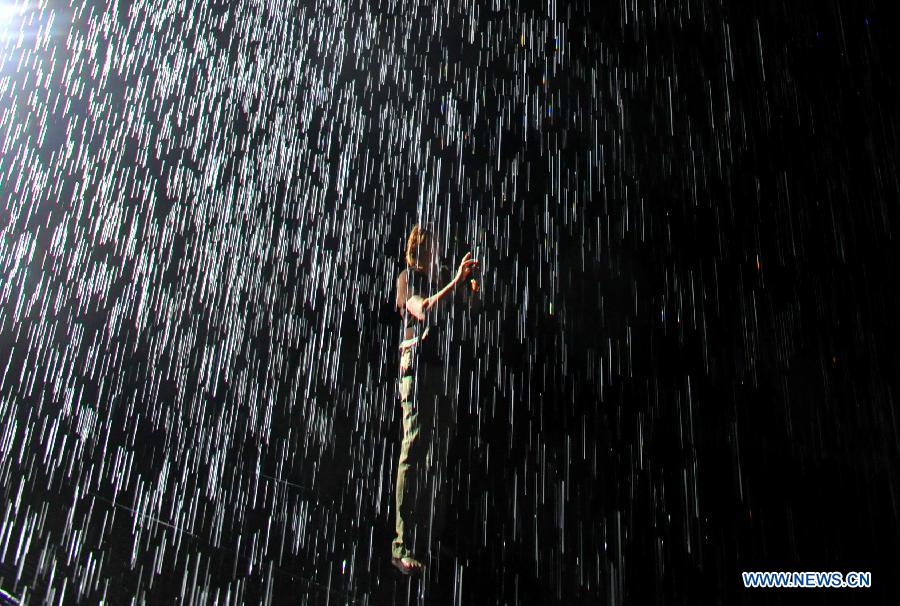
429,423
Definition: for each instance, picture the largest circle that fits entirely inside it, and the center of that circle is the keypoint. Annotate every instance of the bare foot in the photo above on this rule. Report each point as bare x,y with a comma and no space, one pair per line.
407,565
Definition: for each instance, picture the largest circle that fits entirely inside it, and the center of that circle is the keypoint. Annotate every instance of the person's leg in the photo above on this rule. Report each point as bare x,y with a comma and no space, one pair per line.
410,467
401,546
407,468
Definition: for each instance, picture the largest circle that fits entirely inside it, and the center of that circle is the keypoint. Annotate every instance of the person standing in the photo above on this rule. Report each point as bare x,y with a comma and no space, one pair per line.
426,400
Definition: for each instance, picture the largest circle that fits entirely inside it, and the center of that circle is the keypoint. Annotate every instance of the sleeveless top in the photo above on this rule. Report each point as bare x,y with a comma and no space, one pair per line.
429,347
439,336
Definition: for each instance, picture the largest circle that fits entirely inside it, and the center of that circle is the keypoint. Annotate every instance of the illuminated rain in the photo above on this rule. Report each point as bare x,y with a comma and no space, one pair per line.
685,213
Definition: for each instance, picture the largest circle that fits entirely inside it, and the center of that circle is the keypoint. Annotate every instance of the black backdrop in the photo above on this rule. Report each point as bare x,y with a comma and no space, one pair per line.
686,213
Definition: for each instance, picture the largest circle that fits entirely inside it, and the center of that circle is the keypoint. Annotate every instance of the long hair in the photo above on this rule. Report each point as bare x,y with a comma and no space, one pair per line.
418,242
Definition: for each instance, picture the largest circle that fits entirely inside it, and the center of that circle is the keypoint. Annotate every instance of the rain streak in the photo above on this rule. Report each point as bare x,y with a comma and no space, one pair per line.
682,367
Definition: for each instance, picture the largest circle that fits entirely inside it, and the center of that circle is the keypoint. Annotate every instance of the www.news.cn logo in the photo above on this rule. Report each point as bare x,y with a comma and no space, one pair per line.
801,580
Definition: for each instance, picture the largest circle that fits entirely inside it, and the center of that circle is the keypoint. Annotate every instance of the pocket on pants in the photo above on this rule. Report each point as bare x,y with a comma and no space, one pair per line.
406,361
405,388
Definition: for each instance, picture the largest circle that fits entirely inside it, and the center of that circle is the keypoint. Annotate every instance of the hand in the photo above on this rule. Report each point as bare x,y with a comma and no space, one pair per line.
465,267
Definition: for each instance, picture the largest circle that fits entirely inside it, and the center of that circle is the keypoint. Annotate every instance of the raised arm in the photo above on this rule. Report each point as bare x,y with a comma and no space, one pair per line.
430,302
418,306
421,307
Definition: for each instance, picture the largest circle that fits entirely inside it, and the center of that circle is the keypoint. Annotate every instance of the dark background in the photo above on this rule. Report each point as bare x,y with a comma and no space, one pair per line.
686,213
